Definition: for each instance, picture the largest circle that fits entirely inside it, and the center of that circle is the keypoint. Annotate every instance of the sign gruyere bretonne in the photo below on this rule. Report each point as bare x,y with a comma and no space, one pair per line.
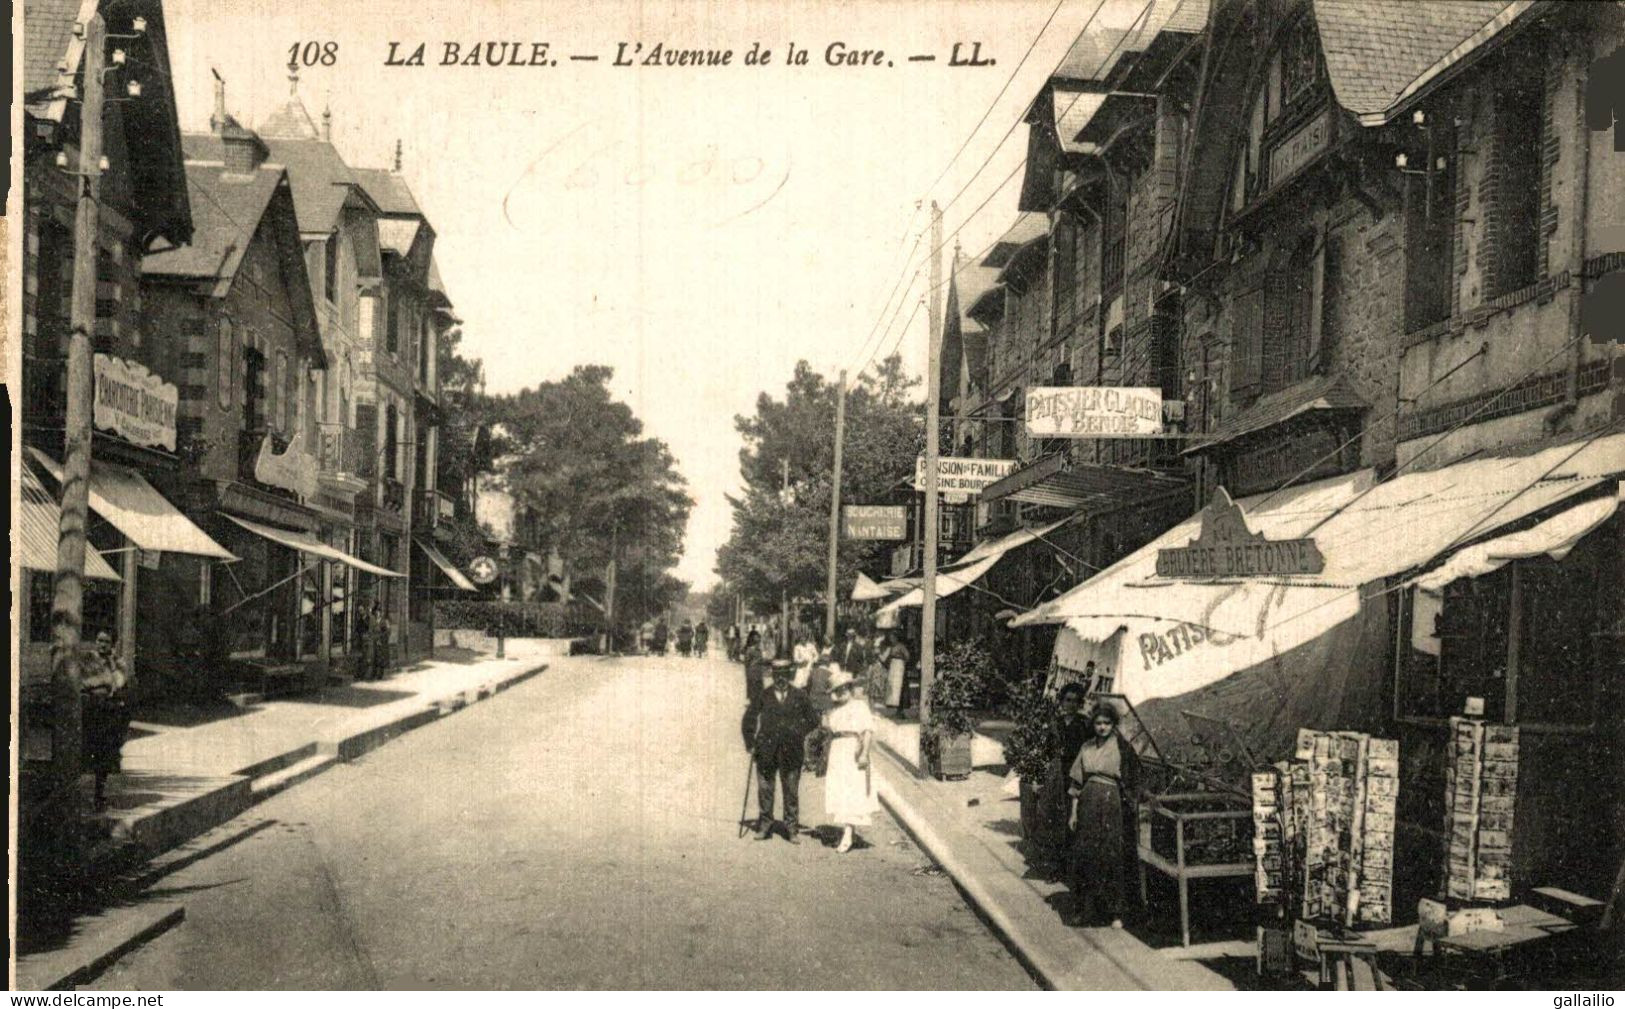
1226,548
1087,411
958,475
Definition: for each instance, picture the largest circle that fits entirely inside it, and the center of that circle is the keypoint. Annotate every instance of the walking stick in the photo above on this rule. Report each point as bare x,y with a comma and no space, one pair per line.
745,805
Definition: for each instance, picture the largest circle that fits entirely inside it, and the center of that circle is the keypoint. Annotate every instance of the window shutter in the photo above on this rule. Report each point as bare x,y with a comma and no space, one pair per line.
1329,275
1247,343
1280,294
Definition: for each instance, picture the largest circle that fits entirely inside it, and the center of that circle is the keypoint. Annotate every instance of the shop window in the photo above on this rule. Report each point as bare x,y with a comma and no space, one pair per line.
225,358
1557,669
39,605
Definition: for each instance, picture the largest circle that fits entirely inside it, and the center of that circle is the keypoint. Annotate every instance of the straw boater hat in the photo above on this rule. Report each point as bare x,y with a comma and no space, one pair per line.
839,678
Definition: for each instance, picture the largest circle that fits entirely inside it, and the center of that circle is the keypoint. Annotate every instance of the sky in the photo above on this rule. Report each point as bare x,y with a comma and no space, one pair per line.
698,229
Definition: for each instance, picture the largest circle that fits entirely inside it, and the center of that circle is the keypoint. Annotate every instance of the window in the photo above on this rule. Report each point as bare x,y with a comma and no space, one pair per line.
254,417
331,286
225,361
1291,328
1513,235
392,324
1247,343
279,392
1300,62
391,442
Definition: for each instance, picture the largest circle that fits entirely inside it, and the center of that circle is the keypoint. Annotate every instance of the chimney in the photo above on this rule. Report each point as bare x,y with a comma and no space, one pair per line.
244,151
397,155
217,121
327,124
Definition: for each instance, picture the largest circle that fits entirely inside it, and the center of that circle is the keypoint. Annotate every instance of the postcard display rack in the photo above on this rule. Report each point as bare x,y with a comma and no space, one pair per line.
1481,783
1323,836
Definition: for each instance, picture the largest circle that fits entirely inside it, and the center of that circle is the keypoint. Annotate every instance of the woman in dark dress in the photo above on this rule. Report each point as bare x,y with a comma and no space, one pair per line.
1105,785
1055,800
105,713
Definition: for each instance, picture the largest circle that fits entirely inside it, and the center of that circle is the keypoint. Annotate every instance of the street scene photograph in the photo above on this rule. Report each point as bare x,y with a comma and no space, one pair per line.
796,496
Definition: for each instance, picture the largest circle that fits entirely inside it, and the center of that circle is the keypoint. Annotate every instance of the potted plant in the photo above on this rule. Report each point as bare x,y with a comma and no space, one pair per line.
957,688
1031,742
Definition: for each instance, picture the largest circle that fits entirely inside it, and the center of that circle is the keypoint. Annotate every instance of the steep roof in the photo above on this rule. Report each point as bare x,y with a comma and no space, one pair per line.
51,69
1028,227
322,182
1099,49
389,190
1376,48
228,210
291,121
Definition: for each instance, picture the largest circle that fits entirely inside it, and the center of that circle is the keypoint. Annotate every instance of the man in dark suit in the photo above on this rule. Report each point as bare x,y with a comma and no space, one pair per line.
775,726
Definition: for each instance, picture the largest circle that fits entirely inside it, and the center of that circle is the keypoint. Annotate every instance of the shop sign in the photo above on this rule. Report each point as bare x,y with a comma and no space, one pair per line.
1226,548
1299,148
149,559
483,570
134,403
902,560
1086,411
291,470
874,522
966,476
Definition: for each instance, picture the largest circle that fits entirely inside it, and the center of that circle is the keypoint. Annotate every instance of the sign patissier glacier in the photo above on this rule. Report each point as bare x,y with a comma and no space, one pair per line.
1092,411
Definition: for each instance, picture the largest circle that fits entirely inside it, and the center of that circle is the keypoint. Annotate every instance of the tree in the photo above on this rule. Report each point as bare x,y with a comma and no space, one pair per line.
466,449
578,461
779,539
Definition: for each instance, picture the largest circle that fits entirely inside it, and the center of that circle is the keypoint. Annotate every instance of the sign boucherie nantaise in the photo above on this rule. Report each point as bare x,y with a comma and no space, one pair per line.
968,476
1226,548
1086,411
134,403
874,522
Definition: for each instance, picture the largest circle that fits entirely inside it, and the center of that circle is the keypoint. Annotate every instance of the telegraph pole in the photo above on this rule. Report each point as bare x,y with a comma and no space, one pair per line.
609,592
784,589
68,593
835,513
933,394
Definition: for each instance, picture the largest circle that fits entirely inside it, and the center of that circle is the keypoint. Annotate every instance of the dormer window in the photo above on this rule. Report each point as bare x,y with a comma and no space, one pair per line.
1287,124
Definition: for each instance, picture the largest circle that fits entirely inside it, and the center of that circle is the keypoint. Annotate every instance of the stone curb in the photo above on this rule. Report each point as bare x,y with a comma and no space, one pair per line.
98,947
1061,958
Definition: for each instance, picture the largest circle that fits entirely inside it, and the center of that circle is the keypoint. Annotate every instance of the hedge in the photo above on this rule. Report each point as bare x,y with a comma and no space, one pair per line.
511,619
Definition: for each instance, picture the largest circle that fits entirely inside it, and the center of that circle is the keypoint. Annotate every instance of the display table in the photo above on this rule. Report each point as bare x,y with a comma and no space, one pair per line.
1195,835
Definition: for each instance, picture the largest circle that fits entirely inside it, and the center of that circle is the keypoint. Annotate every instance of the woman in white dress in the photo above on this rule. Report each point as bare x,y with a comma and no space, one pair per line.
849,795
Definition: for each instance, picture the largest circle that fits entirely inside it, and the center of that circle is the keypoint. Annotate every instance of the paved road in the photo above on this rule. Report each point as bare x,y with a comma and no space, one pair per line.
577,831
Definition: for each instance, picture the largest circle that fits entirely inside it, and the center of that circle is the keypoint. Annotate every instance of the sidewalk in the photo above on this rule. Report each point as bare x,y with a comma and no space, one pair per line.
973,829
179,781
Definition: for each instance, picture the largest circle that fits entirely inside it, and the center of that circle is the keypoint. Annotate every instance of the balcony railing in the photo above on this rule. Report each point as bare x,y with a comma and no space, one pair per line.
338,449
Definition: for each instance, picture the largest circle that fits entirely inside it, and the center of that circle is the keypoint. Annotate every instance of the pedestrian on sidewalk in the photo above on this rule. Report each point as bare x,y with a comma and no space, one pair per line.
1106,789
757,673
897,658
1054,797
804,654
104,713
775,728
849,795
380,651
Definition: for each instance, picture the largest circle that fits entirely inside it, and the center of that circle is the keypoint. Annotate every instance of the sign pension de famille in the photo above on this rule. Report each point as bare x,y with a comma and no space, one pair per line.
971,476
1226,548
1094,412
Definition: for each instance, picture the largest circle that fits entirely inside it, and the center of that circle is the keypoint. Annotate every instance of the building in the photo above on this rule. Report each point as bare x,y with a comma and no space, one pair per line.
1377,293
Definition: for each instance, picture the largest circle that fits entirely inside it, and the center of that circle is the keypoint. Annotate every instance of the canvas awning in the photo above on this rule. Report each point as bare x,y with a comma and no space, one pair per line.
1056,482
1555,538
449,569
314,547
1182,635
135,508
39,520
864,590
975,563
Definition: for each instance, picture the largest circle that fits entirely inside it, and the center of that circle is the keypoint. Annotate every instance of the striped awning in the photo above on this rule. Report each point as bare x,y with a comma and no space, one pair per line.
304,543
38,522
135,508
455,576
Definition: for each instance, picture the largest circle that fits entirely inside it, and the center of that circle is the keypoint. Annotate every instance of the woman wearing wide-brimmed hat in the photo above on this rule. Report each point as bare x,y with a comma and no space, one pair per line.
849,795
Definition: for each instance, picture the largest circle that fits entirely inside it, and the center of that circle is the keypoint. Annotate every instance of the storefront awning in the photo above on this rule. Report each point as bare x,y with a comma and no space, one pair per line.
1554,538
1055,482
1323,394
308,545
975,563
1182,634
38,522
145,517
449,569
864,590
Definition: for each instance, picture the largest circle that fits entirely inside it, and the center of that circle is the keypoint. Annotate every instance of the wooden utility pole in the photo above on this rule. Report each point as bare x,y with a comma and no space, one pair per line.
609,588
68,593
835,513
784,589
933,411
